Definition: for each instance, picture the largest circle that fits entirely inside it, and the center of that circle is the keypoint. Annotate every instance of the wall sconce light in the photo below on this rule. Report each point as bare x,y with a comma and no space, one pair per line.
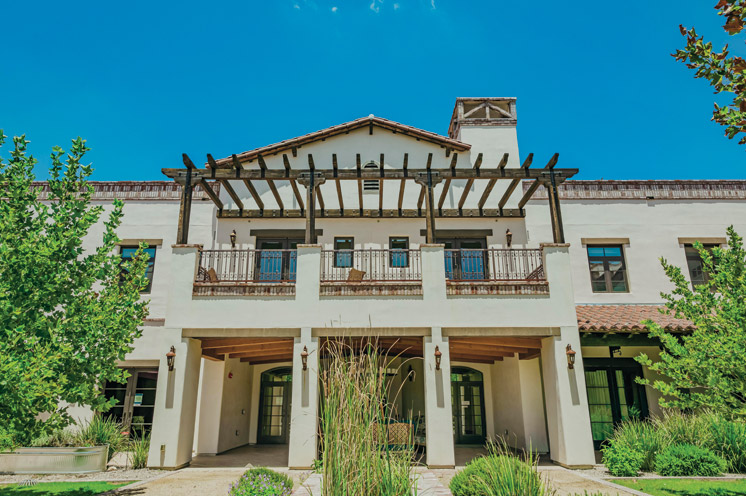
170,356
438,356
509,237
233,239
410,374
570,356
304,357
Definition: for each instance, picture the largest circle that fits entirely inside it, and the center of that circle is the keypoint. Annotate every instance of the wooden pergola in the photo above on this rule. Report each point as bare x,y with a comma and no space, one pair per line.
235,168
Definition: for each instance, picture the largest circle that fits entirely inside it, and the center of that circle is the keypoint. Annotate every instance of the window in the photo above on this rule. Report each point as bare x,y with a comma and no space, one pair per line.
399,254
371,185
128,252
697,272
608,272
343,251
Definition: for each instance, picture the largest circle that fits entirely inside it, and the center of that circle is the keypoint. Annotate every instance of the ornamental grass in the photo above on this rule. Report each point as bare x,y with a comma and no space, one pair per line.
356,455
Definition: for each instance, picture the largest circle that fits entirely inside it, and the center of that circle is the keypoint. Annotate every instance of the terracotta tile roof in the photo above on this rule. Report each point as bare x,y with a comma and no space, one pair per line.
625,318
646,190
344,128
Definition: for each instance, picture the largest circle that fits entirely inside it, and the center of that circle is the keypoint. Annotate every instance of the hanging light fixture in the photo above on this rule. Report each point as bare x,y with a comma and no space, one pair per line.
509,237
304,357
438,356
570,356
170,356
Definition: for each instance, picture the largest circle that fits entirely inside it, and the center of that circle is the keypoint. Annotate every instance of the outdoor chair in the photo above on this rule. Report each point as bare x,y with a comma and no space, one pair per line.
355,275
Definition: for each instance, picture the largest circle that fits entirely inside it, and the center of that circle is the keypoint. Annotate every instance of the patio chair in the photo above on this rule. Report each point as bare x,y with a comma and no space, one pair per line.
355,275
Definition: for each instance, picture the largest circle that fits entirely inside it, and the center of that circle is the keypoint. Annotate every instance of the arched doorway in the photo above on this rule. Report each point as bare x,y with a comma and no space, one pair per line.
274,405
467,398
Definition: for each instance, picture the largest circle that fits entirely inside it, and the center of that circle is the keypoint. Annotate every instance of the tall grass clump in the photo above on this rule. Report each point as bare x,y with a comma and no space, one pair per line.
102,430
138,452
501,473
356,457
638,435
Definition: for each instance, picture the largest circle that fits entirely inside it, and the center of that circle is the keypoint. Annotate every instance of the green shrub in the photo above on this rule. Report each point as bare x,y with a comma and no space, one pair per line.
262,482
642,436
500,474
729,441
680,460
60,438
622,460
138,452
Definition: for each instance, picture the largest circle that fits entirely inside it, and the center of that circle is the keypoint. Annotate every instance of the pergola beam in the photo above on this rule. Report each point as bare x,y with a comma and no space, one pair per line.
359,173
211,193
247,182
535,185
374,213
403,181
516,181
270,182
338,183
293,184
469,183
491,184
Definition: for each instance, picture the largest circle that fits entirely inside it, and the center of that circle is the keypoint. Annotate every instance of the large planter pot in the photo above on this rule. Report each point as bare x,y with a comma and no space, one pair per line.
55,460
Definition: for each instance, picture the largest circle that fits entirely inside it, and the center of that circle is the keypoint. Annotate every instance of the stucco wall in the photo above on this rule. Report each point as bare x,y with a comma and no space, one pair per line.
235,406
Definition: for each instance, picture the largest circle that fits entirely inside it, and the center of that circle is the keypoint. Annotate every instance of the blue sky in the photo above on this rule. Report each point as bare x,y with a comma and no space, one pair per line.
144,82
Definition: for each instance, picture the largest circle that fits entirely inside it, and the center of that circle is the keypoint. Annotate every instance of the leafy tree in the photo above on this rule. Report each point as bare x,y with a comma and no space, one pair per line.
724,73
67,315
708,367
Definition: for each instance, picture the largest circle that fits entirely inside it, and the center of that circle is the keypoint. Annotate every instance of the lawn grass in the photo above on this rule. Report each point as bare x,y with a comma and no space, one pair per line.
60,488
685,487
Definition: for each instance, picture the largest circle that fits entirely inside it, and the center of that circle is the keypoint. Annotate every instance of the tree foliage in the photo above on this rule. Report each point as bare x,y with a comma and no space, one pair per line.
67,315
727,74
708,367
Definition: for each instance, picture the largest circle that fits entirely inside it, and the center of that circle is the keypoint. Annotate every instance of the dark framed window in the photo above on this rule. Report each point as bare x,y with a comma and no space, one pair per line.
697,272
343,254
399,251
128,252
608,270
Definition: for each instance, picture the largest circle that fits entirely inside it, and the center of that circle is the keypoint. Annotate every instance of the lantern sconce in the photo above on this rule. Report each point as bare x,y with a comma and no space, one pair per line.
304,357
570,356
170,356
508,237
438,356
233,239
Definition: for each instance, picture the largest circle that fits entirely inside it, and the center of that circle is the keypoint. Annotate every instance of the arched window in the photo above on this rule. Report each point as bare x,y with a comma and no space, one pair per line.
371,184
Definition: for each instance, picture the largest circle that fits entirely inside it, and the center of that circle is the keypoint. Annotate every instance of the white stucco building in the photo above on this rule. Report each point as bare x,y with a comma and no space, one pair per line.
451,246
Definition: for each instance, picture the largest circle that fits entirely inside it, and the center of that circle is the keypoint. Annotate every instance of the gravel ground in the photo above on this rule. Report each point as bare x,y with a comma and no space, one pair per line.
111,475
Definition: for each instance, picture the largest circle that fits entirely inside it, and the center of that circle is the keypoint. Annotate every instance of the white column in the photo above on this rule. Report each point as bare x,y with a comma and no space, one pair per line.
568,420
207,432
175,406
305,405
433,272
308,276
438,410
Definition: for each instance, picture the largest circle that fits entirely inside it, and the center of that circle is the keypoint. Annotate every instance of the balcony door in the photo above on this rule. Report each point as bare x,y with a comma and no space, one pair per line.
465,258
274,263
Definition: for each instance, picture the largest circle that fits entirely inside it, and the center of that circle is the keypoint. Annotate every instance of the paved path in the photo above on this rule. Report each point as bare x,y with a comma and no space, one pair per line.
570,482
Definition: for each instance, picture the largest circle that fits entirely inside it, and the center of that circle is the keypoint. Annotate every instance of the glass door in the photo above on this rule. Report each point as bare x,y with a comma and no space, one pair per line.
613,394
135,401
466,259
467,398
274,406
274,263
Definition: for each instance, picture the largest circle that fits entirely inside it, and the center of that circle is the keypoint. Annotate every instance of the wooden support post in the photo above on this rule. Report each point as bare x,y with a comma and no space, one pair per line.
185,209
558,231
403,182
311,181
335,167
428,180
359,183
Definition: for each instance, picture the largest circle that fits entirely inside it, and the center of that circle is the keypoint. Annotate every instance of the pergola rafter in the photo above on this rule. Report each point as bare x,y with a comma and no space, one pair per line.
233,169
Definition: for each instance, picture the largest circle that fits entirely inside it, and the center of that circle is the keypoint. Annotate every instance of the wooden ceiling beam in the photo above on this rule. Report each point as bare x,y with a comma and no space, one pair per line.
338,183
403,181
447,183
258,361
232,193
258,348
260,354
373,213
491,184
516,181
211,193
270,183
293,183
500,341
237,165
469,183
535,185
214,343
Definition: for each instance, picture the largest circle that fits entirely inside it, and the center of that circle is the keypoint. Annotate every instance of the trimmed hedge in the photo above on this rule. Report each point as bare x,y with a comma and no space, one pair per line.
680,460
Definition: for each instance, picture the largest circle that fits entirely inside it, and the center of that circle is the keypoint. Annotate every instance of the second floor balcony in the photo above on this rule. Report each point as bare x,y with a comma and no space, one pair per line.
372,272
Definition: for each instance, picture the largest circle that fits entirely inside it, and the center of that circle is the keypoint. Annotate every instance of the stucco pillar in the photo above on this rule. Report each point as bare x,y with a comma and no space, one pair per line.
308,275
305,405
172,437
438,410
568,420
207,431
433,272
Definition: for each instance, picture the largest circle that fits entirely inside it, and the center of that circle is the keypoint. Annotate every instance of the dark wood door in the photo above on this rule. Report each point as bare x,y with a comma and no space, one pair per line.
274,406
467,399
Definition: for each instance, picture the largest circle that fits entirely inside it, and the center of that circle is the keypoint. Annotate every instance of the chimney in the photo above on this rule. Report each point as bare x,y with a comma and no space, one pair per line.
488,125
